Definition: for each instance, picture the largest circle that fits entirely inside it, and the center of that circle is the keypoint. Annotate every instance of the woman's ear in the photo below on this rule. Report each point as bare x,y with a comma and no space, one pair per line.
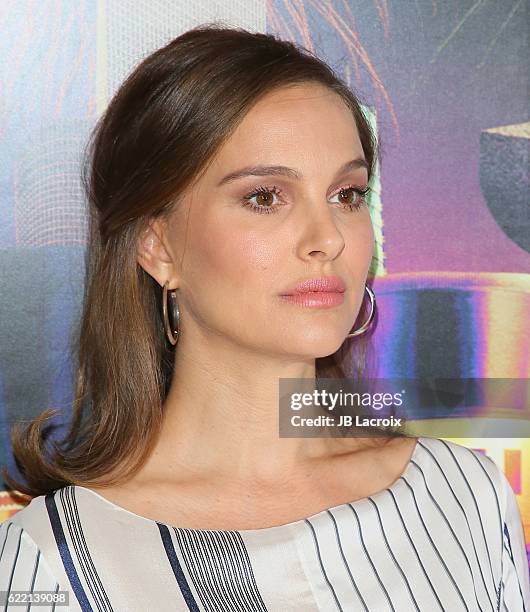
153,255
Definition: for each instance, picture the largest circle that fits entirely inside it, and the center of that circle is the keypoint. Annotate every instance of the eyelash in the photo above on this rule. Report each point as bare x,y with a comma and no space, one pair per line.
267,210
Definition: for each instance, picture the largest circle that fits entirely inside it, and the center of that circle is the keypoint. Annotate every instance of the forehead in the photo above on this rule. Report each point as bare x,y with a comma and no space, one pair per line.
299,120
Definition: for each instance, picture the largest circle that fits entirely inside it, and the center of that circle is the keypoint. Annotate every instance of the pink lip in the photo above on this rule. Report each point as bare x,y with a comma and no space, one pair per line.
315,299
324,292
325,284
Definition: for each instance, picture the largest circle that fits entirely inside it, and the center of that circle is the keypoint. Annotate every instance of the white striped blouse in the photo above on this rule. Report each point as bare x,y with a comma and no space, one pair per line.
446,535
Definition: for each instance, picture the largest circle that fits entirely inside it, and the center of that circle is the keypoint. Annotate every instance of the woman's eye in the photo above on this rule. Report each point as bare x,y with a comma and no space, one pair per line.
352,197
264,200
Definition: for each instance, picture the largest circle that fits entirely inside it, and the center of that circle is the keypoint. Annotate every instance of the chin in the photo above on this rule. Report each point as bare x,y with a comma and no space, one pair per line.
315,347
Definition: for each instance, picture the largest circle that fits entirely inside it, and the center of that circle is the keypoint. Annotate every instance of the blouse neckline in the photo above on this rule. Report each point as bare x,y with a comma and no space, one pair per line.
407,472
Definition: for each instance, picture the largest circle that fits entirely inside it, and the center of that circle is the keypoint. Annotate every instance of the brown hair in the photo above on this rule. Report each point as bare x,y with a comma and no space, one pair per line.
164,124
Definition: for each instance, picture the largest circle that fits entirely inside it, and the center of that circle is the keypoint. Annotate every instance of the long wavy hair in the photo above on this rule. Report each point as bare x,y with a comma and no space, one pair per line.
159,131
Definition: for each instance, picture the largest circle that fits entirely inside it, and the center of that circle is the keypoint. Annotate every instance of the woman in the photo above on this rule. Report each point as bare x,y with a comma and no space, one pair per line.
229,168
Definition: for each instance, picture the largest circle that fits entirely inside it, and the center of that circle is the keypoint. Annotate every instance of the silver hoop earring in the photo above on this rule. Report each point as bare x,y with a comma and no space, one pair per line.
172,335
367,324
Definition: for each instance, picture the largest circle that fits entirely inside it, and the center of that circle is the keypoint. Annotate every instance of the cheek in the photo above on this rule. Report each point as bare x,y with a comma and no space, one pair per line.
371,239
230,277
235,257
360,242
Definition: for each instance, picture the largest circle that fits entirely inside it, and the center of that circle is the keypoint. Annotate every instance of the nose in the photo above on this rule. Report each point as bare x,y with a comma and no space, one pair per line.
320,237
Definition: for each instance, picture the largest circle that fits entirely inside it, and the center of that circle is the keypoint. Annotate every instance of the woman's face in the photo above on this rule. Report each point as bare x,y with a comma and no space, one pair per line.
238,244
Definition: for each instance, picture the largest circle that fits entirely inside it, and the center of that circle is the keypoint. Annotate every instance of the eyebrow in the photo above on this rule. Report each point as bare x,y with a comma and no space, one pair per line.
353,164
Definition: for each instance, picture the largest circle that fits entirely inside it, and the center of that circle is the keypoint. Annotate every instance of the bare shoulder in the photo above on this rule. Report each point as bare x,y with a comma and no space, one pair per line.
394,453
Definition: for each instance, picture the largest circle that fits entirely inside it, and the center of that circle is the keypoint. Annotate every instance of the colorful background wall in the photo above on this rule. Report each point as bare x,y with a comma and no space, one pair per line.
447,85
